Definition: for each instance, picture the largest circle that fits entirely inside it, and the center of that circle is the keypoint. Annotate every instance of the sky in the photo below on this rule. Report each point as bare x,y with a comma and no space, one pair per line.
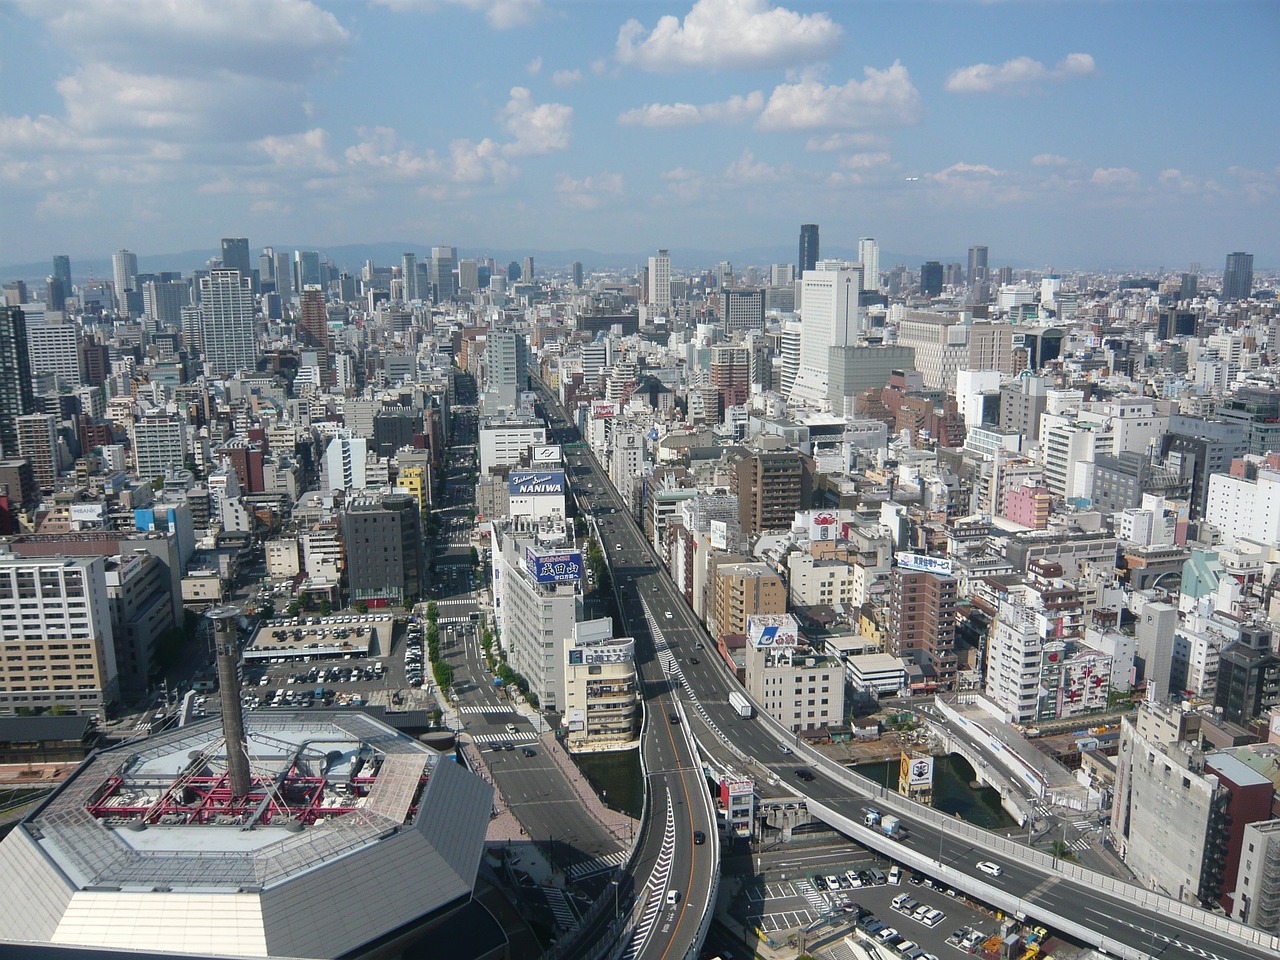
1077,135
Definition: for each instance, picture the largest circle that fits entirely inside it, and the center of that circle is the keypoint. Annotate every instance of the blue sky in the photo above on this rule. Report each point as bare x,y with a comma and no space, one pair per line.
1064,134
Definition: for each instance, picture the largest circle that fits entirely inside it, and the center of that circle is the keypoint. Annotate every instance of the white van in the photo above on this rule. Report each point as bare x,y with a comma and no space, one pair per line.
989,868
673,897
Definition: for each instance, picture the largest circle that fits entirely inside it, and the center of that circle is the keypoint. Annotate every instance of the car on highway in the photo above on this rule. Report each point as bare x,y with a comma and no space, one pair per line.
989,868
673,718
668,614
528,752
804,773
699,838
673,897
784,748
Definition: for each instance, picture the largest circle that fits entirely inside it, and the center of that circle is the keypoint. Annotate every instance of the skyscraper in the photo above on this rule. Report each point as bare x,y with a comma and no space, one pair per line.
16,395
930,278
235,255
528,269
1237,278
829,317
284,274
62,270
577,274
444,261
869,257
409,273
977,265
306,269
227,319
124,269
808,248
660,281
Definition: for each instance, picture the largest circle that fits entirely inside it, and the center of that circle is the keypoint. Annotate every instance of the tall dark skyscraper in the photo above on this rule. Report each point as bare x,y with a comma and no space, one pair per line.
808,248
235,255
16,396
977,265
931,278
1237,278
62,270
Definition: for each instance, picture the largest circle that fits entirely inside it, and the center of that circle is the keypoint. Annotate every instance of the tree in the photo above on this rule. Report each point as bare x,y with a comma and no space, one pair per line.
432,610
360,607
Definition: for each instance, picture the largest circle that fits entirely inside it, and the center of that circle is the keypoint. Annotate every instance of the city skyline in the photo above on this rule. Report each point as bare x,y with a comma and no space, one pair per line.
1042,131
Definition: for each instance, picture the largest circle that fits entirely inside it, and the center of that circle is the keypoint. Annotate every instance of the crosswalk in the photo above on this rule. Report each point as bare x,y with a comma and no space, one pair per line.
591,867
566,919
816,900
486,710
443,620
1080,845
528,737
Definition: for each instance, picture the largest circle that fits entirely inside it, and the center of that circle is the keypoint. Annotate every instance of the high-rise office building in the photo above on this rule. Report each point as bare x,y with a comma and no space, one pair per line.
742,308
577,274
227,320
54,348
313,319
506,365
16,394
869,257
444,261
159,444
528,269
468,275
306,265
38,445
930,278
124,269
977,265
808,258
62,270
235,255
55,294
163,302
383,538
922,621
1237,278
409,273
283,273
659,292
830,317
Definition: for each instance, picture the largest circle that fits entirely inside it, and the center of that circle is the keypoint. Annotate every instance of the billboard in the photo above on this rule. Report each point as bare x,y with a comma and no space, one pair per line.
545,456
918,561
824,525
720,534
603,409
532,483
553,567
920,771
576,720
773,630
623,652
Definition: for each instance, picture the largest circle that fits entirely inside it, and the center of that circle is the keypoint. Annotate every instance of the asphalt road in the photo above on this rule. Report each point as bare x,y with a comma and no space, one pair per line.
669,860
633,563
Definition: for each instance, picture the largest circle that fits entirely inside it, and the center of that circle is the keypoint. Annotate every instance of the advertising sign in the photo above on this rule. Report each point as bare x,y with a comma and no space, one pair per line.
603,653
824,525
918,561
543,456
720,534
603,409
576,720
773,630
921,772
530,483
553,567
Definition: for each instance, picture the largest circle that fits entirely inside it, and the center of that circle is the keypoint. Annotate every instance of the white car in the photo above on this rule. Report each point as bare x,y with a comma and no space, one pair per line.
673,897
989,868
895,875
668,614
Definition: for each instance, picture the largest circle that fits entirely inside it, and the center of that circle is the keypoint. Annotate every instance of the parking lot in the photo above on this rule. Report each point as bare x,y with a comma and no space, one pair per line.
929,920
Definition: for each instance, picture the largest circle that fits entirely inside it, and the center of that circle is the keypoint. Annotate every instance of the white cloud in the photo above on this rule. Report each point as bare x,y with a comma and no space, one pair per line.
589,192
379,152
844,141
1121,177
478,162
307,151
965,173
535,67
537,128
566,78
734,110
684,184
865,161
1019,75
501,14
1050,160
884,98
728,34
67,204
747,169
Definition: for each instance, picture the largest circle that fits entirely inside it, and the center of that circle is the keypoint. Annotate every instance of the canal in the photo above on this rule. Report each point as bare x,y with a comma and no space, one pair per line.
952,793
615,776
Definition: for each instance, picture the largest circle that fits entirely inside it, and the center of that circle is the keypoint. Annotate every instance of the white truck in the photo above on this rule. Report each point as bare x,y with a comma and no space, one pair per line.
738,700
892,827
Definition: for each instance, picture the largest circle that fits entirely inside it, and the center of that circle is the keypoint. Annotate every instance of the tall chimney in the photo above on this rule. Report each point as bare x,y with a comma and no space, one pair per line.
228,657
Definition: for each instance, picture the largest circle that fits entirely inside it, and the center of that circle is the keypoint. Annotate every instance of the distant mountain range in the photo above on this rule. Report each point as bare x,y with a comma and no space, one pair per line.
351,257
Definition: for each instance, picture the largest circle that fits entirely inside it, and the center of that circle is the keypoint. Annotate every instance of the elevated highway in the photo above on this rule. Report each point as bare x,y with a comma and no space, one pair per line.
1122,919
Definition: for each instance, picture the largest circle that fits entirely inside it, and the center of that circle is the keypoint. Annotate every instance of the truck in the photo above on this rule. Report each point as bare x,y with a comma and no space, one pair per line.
892,827
738,700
